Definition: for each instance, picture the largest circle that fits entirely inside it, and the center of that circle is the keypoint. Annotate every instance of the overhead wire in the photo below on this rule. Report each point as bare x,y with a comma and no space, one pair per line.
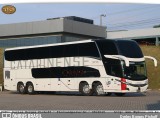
126,11
140,13
137,24
119,12
132,24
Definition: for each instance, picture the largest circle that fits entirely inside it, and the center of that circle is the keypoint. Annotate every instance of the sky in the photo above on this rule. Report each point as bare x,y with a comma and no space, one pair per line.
118,16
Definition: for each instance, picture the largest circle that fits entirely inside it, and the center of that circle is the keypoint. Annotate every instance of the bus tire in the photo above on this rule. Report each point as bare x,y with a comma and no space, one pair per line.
21,88
98,89
84,89
120,94
30,89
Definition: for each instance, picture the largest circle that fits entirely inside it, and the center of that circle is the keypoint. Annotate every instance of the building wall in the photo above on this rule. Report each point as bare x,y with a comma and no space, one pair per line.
150,36
52,26
84,29
28,28
140,33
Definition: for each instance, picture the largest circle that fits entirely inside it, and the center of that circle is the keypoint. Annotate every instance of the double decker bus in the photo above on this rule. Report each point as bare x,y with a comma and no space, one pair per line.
91,67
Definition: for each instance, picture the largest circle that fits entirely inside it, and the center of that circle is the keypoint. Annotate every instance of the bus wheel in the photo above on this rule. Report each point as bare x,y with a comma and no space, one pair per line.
30,88
21,88
84,89
98,89
120,94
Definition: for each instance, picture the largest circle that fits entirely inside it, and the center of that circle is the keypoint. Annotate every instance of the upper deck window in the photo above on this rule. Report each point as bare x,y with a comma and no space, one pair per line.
129,49
107,47
69,50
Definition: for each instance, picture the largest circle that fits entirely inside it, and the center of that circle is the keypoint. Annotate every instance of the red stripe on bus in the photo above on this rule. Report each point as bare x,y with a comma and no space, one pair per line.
123,85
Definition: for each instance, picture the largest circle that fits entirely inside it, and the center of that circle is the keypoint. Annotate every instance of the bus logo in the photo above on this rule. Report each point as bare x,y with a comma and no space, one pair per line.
8,9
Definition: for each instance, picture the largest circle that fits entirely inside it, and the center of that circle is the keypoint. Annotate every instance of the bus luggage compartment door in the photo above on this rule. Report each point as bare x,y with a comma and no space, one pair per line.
69,84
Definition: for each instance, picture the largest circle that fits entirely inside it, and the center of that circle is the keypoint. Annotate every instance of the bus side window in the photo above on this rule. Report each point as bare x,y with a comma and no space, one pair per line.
115,70
88,50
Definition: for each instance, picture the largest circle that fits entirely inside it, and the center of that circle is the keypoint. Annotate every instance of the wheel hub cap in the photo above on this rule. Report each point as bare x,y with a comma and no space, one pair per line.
100,89
21,88
30,89
86,89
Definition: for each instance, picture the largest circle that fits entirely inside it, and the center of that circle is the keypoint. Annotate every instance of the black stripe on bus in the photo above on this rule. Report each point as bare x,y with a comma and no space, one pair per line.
71,50
65,72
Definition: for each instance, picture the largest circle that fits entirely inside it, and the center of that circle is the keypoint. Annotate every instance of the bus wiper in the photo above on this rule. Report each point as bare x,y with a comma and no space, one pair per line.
152,58
120,57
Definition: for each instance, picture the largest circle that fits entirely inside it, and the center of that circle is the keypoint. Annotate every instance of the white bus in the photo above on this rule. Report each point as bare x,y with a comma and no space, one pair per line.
90,67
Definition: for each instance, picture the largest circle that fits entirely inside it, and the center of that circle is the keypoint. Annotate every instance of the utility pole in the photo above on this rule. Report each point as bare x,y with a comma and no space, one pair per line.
102,15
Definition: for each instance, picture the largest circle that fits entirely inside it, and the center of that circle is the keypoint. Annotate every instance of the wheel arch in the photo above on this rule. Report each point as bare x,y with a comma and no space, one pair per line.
82,82
95,82
20,82
28,82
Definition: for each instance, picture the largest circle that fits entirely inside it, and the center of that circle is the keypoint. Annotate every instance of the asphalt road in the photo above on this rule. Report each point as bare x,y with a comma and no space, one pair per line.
62,101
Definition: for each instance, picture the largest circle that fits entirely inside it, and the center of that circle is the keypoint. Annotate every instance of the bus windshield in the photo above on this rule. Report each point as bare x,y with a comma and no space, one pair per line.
135,71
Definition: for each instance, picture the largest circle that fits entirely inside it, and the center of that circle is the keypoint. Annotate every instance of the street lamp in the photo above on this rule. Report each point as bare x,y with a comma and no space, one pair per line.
102,15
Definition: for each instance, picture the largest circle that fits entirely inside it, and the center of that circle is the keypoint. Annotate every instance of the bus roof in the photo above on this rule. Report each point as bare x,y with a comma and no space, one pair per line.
64,43
45,45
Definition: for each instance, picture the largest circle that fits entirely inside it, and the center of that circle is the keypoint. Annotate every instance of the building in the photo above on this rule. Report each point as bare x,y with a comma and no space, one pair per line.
150,36
49,31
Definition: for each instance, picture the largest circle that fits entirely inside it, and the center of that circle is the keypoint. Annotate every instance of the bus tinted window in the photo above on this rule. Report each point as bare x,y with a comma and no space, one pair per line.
65,72
129,49
88,49
71,50
26,54
113,67
107,47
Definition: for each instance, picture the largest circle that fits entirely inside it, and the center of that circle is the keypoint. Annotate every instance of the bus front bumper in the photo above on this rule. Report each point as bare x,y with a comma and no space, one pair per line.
137,88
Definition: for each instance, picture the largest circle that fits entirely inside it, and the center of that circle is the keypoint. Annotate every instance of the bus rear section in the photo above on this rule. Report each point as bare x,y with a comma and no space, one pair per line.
91,67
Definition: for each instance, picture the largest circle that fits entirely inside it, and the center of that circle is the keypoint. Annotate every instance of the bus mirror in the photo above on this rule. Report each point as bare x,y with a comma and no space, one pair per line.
120,57
152,58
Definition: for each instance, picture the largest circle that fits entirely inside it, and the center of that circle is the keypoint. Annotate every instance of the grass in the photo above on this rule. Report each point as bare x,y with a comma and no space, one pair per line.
153,72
